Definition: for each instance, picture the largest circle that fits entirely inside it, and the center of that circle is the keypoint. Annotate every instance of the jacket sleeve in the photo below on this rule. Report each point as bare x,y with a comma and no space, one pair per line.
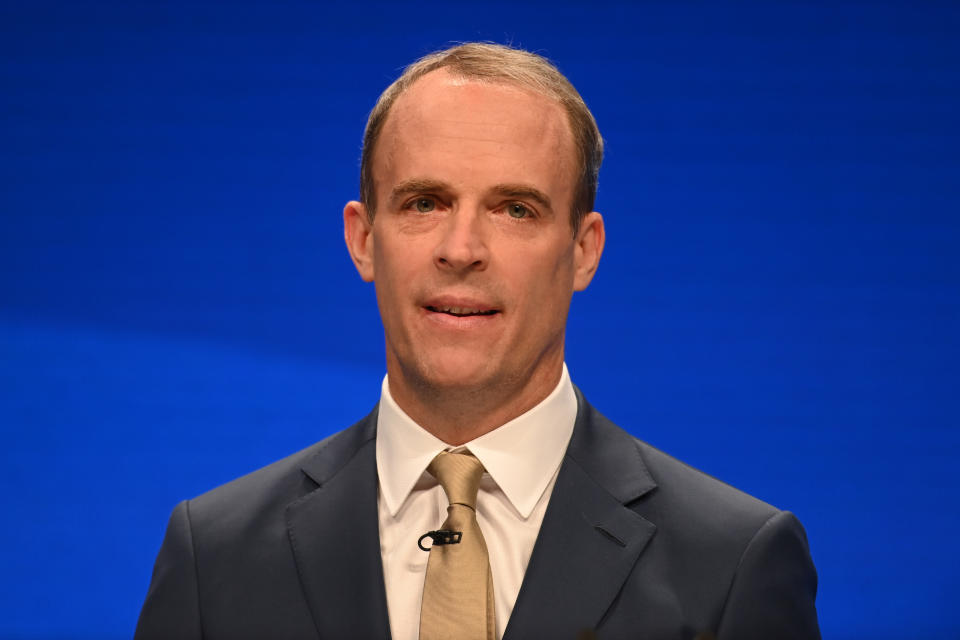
775,587
172,608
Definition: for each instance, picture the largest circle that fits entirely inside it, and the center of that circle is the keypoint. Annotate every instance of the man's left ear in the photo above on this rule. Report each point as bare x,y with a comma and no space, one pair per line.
588,246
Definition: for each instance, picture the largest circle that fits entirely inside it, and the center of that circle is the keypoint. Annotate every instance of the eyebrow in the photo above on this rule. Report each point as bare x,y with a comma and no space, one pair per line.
523,191
417,185
509,189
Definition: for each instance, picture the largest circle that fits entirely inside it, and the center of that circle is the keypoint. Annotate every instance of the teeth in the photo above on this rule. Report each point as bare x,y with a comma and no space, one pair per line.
462,311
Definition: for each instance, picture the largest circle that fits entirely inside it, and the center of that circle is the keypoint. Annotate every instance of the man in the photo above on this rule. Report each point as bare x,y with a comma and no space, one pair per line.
483,497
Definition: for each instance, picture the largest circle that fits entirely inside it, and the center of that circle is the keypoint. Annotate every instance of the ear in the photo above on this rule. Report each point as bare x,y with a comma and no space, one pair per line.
358,234
588,246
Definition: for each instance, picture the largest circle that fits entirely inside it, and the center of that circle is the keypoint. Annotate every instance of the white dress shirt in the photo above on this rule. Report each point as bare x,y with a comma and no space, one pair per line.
521,459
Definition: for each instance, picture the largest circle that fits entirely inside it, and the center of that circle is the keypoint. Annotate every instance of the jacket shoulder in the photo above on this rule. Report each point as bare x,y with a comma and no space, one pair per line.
245,501
731,562
699,495
668,488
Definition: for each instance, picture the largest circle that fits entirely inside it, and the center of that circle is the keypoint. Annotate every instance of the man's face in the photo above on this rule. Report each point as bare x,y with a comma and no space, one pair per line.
471,248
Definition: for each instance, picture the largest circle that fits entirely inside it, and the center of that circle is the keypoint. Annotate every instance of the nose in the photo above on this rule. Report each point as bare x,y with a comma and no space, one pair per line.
463,243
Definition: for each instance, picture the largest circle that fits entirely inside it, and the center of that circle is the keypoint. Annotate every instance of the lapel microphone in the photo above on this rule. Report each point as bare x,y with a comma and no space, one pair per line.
440,536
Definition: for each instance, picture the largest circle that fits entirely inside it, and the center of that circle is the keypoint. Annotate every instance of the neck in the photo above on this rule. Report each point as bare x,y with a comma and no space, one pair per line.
457,415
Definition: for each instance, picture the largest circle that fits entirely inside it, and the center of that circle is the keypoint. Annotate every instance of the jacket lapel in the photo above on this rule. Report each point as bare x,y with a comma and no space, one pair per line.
335,537
589,541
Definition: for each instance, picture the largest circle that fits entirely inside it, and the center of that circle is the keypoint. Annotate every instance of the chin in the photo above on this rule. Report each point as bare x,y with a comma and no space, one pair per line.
457,372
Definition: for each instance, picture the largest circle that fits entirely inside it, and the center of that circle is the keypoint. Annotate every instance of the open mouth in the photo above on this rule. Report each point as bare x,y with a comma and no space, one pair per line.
462,312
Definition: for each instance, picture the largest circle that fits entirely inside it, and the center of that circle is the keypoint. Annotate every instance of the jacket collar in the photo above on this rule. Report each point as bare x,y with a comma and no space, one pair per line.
588,544
590,540
334,534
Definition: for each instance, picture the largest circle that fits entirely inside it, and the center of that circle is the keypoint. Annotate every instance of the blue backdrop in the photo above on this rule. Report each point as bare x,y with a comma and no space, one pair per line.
779,298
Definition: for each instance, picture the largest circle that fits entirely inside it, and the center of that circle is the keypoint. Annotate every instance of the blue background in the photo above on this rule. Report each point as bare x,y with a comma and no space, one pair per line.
778,303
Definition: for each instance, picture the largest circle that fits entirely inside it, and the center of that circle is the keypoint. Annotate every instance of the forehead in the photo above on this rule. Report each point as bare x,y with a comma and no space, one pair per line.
472,129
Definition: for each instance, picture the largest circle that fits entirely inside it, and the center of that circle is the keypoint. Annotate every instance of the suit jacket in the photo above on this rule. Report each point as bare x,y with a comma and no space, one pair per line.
634,544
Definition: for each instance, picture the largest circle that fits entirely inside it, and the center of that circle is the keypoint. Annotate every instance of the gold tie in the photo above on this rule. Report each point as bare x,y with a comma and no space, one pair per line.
458,588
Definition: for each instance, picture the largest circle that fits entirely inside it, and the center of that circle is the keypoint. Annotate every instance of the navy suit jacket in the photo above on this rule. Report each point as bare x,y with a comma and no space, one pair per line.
634,544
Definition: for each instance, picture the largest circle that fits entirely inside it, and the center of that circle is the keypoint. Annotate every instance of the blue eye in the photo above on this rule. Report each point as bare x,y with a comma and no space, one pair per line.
517,210
425,205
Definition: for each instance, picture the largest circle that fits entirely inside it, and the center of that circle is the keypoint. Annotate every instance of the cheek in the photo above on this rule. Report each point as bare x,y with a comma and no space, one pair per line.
399,268
561,272
548,292
385,277
390,260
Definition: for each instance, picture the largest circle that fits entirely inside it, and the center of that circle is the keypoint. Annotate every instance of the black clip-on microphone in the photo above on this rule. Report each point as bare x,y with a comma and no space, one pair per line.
440,536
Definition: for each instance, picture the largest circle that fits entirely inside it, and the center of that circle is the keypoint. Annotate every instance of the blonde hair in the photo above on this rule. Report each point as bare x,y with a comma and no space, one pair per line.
499,64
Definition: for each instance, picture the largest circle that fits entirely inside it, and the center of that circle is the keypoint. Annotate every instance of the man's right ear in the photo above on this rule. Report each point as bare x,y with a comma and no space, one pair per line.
358,234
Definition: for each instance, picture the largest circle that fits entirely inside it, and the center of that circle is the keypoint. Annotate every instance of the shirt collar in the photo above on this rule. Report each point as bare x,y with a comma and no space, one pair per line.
521,456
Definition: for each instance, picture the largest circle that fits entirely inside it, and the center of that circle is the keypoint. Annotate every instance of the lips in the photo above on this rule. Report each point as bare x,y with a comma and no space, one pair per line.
462,312
458,307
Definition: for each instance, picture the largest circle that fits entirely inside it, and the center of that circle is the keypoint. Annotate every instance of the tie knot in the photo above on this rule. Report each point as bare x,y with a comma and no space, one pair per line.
459,474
